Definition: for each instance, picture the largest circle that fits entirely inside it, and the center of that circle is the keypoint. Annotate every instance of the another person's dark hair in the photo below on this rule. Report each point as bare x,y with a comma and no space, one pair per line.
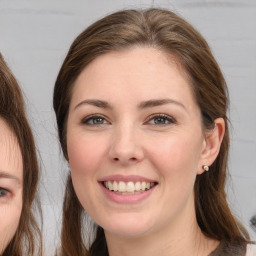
163,30
27,239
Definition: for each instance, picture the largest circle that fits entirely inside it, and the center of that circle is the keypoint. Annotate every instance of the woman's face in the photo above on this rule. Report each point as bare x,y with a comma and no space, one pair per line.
135,142
11,177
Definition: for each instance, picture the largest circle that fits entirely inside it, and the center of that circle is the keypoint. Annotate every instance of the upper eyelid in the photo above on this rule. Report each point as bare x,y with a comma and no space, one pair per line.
94,116
161,115
97,115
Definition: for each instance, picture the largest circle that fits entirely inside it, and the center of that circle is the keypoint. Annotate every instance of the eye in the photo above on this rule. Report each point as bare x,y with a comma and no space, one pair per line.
3,192
160,120
94,120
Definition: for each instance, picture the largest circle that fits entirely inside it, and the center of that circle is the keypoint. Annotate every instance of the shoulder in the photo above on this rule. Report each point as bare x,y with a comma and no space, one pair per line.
251,250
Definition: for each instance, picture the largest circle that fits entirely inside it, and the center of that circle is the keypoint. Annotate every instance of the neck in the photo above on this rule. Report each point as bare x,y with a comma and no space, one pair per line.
180,239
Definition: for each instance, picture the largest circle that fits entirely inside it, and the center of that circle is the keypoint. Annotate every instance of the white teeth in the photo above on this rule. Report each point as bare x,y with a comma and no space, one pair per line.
130,187
110,187
137,186
121,186
143,185
115,186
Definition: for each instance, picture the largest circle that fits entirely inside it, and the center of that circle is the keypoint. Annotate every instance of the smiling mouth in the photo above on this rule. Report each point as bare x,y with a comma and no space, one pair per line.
128,188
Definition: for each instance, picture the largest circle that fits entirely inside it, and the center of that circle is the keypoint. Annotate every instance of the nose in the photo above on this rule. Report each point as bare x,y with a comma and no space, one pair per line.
126,146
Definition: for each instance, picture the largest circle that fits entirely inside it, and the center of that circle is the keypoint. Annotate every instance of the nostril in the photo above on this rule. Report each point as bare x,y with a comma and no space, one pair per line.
116,159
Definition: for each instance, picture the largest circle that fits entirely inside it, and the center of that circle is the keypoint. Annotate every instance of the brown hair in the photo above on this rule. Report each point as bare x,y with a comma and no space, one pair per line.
12,110
164,30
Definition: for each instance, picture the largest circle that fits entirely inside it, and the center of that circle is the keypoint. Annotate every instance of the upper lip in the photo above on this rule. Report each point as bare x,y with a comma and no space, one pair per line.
125,178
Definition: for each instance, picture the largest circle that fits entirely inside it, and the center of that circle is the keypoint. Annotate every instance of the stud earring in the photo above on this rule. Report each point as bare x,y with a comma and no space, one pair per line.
206,168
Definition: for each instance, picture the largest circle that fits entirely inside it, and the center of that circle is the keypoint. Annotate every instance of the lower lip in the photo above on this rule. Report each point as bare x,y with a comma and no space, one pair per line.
127,199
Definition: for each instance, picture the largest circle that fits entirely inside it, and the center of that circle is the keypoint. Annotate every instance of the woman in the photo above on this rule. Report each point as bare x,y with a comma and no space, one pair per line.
19,233
141,107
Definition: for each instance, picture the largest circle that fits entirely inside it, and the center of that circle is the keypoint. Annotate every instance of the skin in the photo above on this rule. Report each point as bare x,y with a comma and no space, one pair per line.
11,173
129,139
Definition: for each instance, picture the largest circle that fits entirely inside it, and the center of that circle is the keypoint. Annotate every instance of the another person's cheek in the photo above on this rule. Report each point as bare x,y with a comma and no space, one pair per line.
10,218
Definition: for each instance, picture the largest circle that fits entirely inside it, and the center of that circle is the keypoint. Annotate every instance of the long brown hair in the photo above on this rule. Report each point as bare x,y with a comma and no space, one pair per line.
27,239
164,30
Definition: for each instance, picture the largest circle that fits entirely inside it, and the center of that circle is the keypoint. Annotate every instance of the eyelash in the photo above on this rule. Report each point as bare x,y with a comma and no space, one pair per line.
93,118
164,117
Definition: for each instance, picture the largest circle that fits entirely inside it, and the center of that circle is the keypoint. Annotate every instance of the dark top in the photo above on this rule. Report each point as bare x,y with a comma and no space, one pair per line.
230,249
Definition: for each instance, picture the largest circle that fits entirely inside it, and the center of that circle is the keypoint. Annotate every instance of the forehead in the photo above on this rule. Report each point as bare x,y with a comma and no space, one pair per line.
140,70
10,153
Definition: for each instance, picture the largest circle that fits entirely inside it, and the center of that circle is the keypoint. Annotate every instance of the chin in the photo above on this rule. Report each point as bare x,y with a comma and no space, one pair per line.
127,232
130,228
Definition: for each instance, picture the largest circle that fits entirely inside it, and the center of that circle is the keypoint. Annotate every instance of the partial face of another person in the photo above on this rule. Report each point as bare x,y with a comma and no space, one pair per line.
135,142
11,177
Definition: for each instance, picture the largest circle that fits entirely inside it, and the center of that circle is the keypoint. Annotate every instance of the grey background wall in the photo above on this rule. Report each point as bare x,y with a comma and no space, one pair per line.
36,34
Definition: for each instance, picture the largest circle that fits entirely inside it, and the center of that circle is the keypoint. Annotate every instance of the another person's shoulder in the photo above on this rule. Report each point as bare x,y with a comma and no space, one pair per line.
251,250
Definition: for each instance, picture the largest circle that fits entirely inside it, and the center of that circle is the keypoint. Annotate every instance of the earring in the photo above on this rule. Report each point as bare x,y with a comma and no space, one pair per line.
206,168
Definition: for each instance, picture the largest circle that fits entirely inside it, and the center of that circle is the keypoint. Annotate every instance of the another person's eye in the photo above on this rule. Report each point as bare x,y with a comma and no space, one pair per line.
94,120
4,192
160,119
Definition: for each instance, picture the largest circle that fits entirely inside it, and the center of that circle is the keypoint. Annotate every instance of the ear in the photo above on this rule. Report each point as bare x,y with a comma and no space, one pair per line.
211,144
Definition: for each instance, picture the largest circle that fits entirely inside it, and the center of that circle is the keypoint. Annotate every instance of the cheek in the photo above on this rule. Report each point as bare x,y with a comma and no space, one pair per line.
175,156
87,155
84,153
10,215
175,159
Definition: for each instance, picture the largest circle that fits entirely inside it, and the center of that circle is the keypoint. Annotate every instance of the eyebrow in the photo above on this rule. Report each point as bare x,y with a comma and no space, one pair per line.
4,175
159,102
143,104
96,103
